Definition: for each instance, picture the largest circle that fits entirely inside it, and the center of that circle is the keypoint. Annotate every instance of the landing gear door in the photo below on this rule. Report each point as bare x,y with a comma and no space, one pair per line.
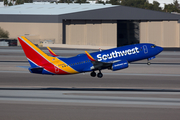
145,49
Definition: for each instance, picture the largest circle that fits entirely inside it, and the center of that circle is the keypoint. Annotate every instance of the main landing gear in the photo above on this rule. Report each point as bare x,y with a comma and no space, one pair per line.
93,74
99,75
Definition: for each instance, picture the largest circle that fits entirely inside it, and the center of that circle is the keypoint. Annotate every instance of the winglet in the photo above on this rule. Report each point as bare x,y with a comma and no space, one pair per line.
52,53
89,56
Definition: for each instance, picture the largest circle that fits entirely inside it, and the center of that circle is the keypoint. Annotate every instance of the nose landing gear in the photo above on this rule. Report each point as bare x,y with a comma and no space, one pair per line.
148,63
99,75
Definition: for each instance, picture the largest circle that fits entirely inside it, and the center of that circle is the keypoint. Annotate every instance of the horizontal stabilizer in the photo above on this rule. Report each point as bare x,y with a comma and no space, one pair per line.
37,70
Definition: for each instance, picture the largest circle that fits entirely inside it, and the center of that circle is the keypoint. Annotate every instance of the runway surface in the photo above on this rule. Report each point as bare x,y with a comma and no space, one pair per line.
88,105
139,92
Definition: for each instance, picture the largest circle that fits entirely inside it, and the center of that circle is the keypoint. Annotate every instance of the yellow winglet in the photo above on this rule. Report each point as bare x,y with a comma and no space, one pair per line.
89,56
52,53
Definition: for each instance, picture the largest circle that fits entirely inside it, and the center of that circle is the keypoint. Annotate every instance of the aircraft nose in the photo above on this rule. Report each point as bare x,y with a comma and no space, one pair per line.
160,49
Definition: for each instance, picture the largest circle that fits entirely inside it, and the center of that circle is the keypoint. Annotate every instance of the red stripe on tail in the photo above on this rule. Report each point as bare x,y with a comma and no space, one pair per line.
34,56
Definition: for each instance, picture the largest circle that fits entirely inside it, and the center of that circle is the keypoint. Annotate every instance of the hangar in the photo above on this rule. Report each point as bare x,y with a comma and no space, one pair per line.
91,24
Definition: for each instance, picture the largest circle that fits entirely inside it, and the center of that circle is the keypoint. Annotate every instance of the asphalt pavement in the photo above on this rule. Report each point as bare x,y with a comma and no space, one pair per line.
140,92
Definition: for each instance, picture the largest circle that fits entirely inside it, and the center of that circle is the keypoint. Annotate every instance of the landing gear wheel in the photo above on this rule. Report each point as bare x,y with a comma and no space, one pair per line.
148,63
99,75
93,74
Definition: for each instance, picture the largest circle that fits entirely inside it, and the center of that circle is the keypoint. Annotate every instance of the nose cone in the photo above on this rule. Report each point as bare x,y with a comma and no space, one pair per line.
159,49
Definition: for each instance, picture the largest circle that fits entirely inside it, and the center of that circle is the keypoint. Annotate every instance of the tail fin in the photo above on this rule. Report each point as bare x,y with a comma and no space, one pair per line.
35,56
41,62
52,53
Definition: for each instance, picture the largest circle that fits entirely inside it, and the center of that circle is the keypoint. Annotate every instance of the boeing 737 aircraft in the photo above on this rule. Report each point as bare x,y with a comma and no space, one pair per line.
112,59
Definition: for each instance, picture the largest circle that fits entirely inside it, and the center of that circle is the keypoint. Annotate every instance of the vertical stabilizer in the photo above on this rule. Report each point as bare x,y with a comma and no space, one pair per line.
35,56
41,62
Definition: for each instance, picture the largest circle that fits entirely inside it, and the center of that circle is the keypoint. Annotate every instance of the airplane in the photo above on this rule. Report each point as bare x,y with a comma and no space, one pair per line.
112,59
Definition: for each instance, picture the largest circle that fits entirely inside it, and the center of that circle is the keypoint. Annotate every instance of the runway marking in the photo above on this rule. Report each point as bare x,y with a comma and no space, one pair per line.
101,98
96,89
60,97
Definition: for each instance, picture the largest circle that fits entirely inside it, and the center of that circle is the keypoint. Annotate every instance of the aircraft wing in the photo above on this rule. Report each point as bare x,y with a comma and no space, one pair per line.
53,54
97,65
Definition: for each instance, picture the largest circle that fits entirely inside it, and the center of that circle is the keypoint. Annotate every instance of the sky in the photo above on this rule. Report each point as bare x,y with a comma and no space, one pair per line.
162,2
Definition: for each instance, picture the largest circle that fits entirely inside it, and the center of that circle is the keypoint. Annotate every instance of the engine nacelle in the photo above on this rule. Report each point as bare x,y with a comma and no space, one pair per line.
119,65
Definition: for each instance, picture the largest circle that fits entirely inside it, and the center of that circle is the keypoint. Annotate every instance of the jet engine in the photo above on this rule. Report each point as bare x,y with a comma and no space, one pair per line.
119,65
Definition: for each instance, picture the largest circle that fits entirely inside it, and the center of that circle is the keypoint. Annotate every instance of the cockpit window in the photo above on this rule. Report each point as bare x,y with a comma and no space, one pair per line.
153,46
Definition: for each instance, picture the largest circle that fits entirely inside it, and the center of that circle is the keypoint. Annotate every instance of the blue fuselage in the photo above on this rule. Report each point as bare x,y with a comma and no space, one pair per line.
130,53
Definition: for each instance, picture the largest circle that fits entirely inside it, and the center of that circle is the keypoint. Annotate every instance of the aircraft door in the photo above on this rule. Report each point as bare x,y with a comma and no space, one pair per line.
56,69
145,49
